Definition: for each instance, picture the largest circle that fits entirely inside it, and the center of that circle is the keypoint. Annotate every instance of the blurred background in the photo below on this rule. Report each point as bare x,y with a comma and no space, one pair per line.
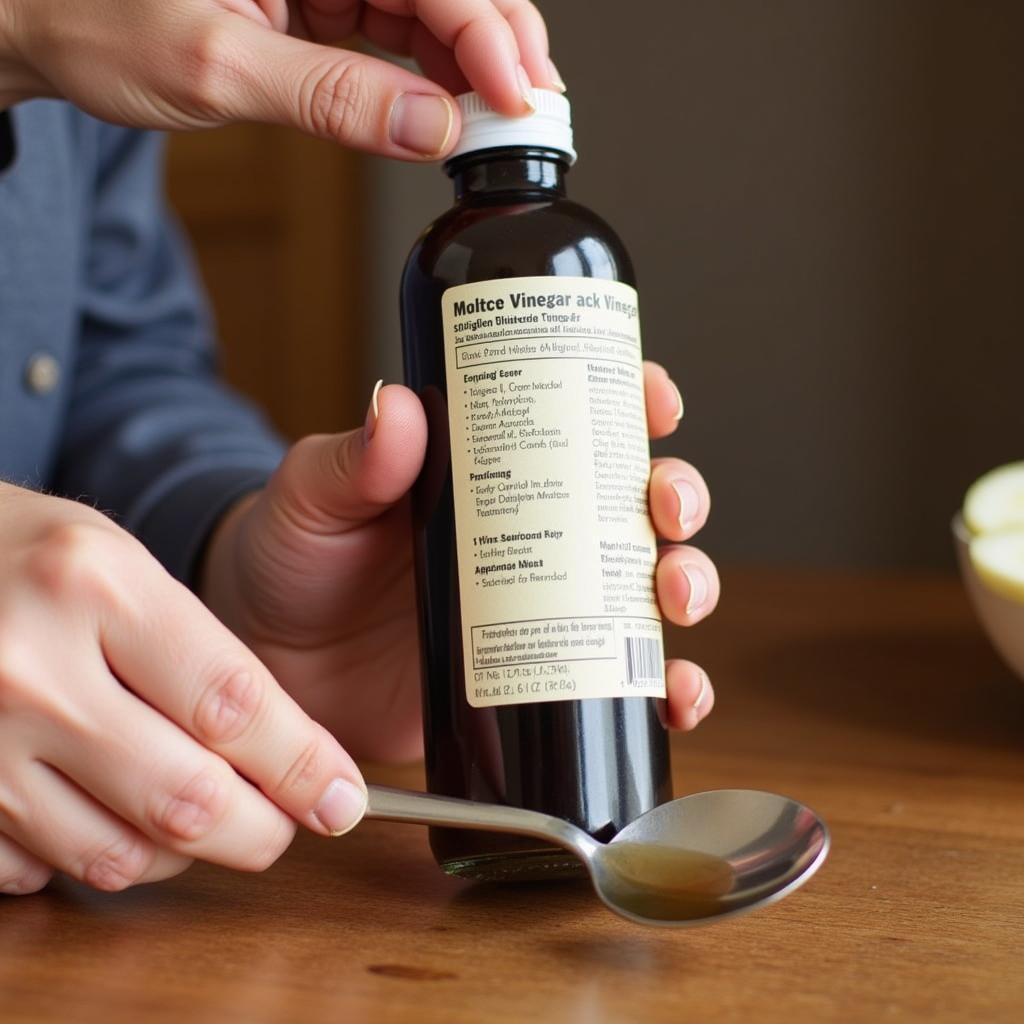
824,200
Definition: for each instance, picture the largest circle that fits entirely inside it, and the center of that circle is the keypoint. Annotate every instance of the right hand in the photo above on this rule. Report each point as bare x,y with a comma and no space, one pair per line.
175,64
136,732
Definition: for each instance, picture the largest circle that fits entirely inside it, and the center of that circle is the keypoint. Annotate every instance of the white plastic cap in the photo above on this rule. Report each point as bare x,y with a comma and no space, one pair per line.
549,126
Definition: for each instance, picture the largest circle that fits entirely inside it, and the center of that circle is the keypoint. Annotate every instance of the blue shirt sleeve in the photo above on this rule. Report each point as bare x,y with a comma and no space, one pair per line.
152,435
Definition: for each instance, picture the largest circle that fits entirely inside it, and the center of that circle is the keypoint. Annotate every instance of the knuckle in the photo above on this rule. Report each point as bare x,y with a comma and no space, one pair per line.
117,866
228,706
305,769
69,559
338,102
194,811
340,462
213,62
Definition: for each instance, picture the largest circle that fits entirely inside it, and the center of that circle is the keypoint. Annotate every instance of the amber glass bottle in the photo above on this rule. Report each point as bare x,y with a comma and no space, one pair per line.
542,661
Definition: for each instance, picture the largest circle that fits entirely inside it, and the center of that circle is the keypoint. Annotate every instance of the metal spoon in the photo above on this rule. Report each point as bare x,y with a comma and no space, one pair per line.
696,859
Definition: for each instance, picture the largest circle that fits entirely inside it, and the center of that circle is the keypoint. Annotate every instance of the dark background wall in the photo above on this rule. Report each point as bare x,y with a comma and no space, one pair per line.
825,203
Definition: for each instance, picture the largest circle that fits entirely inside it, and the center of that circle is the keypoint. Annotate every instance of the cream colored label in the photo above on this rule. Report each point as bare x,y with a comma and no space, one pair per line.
550,465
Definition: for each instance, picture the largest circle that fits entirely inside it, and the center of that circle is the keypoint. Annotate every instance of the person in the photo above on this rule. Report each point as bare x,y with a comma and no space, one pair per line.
199,628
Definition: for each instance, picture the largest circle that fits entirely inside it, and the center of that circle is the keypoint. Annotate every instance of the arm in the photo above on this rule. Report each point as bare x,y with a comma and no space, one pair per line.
152,435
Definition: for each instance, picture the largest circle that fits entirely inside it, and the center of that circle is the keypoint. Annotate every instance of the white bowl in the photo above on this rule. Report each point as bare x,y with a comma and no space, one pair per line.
1001,618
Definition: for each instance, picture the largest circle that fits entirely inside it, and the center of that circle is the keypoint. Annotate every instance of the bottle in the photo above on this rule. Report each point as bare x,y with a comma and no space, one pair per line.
541,642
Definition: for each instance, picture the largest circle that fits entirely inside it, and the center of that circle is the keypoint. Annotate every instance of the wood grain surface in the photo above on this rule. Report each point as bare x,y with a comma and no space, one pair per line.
875,699
276,224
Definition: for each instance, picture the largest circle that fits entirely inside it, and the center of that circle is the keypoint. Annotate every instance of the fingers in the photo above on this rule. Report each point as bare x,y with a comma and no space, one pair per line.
252,71
687,584
690,694
178,658
465,44
20,872
61,826
166,864
436,61
330,483
167,787
485,44
679,499
116,790
532,36
276,12
358,101
663,400
407,37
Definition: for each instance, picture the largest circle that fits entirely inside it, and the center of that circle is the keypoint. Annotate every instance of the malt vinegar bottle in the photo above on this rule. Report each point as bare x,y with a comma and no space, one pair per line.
543,669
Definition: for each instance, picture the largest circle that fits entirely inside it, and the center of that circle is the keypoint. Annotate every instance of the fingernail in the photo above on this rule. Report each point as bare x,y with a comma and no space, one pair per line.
698,588
525,88
421,122
556,78
341,807
372,414
689,503
680,408
703,692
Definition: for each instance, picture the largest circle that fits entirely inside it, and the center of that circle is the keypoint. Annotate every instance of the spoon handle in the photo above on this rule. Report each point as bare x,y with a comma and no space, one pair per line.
387,804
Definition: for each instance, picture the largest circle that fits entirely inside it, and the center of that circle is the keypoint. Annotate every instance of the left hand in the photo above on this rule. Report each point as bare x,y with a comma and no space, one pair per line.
315,573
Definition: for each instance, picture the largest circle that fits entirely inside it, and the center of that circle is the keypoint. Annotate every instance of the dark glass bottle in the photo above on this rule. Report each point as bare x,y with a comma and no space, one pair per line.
598,763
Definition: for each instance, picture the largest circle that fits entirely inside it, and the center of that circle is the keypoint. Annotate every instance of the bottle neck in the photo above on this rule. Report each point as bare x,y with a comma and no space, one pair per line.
535,172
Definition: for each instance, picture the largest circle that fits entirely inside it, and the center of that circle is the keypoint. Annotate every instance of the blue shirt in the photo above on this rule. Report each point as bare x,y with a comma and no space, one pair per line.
108,384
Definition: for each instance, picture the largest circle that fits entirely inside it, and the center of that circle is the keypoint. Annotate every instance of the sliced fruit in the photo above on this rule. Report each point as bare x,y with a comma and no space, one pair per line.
996,501
998,559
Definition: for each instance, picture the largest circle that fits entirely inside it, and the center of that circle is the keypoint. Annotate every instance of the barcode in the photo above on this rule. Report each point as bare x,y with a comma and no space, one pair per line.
643,659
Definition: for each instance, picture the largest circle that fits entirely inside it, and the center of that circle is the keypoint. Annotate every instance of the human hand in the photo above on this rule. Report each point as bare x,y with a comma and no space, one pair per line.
315,573
179,64
136,733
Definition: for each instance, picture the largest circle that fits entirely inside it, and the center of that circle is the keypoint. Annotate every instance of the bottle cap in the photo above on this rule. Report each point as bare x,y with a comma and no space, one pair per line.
548,127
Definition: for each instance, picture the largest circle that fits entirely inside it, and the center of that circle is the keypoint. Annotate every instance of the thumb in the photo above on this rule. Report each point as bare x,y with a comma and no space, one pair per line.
329,483
345,97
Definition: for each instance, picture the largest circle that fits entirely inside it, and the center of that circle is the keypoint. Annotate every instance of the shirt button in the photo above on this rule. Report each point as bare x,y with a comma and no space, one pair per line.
42,373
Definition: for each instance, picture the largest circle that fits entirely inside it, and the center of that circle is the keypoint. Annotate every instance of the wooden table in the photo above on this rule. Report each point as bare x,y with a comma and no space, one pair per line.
873,698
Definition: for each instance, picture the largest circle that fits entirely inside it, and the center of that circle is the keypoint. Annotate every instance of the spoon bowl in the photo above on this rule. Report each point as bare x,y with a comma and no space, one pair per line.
691,861
709,856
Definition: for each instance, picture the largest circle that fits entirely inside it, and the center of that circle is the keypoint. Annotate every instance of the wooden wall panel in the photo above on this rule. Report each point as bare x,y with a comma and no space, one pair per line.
275,221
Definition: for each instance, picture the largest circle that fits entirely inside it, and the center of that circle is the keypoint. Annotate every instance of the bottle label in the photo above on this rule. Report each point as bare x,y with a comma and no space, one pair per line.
550,466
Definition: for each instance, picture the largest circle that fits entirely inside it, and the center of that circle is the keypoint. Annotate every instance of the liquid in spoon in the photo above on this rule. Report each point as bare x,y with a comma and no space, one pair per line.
666,883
